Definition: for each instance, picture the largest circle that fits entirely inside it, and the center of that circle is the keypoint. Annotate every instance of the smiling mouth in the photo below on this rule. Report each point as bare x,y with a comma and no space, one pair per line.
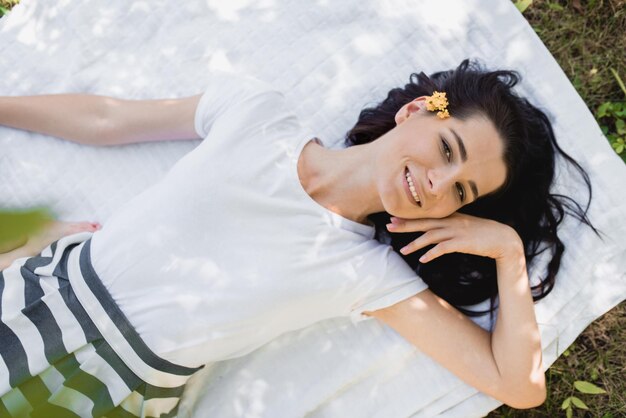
411,186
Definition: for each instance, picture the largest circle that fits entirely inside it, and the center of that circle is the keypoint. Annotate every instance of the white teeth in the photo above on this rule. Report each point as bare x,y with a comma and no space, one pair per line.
412,187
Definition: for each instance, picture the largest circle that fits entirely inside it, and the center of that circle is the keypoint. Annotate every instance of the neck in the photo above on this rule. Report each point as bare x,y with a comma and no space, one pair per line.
341,180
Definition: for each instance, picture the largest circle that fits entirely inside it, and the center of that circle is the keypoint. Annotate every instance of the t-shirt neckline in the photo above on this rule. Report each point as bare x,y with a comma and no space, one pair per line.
345,223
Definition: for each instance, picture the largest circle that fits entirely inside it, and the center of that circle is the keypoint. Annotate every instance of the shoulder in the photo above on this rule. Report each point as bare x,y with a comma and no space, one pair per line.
236,98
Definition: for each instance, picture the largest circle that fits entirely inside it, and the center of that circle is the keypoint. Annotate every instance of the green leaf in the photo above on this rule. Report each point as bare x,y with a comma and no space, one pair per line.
619,148
620,126
3,11
569,412
566,403
604,129
602,110
523,5
14,224
579,403
586,387
594,374
555,6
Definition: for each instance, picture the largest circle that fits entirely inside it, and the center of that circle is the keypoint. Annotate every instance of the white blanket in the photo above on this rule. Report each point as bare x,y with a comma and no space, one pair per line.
331,59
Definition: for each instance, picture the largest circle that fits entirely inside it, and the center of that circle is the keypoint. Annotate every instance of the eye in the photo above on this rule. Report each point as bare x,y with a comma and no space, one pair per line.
446,149
461,192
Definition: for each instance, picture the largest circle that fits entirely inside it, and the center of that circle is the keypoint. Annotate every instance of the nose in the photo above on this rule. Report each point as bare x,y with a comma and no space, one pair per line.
439,182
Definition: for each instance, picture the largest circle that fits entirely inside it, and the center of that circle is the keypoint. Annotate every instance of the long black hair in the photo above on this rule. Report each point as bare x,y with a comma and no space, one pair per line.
524,202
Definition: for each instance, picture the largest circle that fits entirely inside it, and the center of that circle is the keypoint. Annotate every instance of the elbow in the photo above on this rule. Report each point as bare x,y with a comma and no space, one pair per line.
541,398
529,401
532,396
105,133
105,127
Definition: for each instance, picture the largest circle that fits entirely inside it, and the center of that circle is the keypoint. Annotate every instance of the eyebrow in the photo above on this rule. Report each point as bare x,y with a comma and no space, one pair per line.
463,153
474,189
461,145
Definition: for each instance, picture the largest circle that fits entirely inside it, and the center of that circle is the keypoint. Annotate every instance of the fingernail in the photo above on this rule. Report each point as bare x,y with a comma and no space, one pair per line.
391,226
393,219
404,250
422,259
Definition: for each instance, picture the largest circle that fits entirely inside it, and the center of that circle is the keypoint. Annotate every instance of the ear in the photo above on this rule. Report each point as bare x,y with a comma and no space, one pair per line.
415,106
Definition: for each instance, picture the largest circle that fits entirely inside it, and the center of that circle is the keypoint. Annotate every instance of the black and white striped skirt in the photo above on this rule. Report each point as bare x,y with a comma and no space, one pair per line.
67,350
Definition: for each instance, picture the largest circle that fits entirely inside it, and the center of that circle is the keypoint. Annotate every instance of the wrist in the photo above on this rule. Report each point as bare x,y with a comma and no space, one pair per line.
512,247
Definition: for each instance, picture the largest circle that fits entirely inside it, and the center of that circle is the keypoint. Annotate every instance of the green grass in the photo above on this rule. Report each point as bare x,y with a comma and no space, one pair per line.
588,40
586,44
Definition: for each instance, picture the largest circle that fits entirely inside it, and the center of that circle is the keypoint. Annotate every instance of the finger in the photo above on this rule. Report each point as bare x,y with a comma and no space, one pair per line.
414,225
431,237
438,250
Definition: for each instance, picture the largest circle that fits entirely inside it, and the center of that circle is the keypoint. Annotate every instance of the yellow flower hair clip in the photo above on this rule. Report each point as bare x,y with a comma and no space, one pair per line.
438,102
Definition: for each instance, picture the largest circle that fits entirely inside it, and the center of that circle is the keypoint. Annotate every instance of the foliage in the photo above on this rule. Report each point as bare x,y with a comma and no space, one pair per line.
612,118
574,402
587,40
522,5
17,224
6,5
615,132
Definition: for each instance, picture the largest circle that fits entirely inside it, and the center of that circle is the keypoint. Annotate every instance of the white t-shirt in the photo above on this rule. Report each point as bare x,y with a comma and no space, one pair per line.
228,251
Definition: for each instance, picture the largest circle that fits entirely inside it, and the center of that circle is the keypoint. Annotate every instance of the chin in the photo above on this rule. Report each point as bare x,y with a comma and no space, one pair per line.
395,205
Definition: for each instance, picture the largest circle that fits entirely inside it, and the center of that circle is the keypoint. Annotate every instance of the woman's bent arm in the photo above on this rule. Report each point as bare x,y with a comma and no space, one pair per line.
506,364
101,120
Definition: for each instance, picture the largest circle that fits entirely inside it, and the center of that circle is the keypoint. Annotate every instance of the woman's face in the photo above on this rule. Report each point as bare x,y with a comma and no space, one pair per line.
451,163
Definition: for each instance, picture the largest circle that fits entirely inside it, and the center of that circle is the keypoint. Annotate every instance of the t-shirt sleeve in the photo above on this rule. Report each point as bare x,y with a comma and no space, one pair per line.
395,282
225,91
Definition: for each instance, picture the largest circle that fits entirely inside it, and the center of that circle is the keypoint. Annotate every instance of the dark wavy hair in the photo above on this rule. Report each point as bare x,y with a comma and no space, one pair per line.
524,202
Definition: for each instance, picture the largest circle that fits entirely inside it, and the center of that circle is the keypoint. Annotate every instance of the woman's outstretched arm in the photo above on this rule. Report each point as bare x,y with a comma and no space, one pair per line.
101,120
506,364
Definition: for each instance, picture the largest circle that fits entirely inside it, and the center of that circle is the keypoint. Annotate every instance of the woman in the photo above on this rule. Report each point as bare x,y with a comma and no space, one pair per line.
261,230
